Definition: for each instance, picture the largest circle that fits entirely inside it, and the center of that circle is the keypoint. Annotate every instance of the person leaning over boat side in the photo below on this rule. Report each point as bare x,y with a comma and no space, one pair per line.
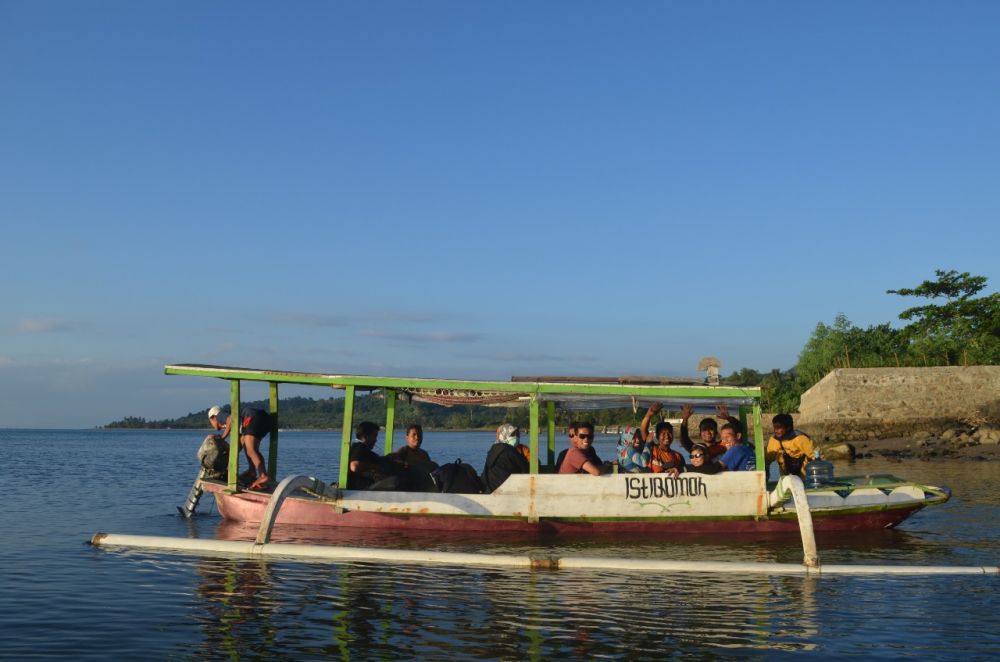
792,449
738,456
504,458
366,470
707,430
633,454
578,460
255,424
700,463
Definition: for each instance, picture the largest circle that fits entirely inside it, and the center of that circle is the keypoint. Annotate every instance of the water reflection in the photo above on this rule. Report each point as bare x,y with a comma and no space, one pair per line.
360,610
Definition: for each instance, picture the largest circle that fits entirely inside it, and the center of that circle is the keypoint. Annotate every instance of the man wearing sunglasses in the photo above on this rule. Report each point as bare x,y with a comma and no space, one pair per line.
579,458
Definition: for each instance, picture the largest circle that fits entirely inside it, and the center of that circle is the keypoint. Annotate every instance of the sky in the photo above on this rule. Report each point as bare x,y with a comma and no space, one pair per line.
472,189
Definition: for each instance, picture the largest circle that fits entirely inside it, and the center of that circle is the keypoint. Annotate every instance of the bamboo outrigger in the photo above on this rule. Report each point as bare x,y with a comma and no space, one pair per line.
543,501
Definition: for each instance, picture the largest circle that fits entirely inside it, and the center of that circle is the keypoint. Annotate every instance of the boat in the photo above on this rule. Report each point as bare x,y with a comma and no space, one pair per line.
543,501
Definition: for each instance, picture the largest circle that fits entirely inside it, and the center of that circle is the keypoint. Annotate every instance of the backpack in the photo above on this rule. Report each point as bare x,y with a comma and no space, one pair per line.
457,478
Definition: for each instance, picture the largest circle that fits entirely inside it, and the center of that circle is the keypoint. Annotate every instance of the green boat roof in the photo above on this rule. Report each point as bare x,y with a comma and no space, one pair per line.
570,392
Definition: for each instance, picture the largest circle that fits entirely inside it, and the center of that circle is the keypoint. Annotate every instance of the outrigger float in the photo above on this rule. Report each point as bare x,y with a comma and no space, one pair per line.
544,501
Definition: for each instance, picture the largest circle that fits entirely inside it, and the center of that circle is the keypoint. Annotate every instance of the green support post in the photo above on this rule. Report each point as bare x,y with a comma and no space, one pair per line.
533,409
345,443
744,428
758,436
272,448
234,433
550,413
390,418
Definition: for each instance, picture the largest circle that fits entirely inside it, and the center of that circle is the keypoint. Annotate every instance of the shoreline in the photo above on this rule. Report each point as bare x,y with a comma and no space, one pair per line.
927,449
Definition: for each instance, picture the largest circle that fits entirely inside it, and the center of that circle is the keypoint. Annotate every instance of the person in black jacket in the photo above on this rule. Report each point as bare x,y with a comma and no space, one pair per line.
503,458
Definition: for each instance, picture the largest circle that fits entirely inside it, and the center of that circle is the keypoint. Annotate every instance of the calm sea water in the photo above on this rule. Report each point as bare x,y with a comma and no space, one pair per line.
61,598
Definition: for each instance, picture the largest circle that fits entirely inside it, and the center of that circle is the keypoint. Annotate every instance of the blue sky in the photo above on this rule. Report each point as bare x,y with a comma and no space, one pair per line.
472,189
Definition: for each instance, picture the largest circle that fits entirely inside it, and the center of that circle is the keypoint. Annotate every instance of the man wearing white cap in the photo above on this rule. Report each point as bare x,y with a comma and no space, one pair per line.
255,424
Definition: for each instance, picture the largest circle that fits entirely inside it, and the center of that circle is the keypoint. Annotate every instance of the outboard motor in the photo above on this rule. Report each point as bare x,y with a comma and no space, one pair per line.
818,473
213,456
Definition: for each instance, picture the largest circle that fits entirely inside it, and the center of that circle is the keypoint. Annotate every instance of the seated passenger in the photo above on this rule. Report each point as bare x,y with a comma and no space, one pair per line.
411,454
791,448
633,454
707,430
578,460
570,433
738,456
663,459
366,469
700,464
504,458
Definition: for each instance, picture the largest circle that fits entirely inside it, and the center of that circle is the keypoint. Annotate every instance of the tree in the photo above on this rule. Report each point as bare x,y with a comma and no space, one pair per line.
964,329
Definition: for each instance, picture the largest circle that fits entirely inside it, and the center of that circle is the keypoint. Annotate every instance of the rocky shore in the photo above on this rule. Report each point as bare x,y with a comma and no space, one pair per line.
963,443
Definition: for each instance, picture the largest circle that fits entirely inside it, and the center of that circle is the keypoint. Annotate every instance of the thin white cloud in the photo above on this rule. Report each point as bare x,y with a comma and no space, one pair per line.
431,337
321,321
312,320
519,357
36,325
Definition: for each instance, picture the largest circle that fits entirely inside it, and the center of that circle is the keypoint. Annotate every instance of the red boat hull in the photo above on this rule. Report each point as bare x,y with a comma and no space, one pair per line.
249,507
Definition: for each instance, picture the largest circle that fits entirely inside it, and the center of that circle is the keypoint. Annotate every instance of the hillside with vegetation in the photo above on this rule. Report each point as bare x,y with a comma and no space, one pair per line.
328,414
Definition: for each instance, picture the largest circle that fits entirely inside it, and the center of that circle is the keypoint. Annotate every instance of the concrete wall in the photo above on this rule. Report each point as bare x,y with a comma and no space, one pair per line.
868,403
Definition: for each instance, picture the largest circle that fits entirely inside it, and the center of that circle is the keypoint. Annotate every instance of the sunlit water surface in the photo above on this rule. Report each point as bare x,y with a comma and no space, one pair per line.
61,598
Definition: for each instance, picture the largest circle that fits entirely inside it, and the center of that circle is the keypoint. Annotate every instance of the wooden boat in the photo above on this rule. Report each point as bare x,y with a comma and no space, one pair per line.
544,501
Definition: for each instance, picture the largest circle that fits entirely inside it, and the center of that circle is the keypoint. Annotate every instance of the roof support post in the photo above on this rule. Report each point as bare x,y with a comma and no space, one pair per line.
550,415
390,418
272,447
234,433
345,443
758,438
533,422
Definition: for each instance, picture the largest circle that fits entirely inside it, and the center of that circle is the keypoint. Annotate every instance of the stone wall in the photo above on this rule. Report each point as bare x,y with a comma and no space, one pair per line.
879,403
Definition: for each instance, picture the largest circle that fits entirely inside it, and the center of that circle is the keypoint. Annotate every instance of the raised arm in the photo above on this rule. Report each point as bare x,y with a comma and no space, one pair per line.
647,419
686,412
723,412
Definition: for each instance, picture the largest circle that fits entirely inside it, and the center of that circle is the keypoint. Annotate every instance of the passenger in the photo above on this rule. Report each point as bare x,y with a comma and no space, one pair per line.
578,458
700,463
663,459
570,433
738,456
504,458
255,424
411,454
633,454
707,430
366,469
792,449
512,435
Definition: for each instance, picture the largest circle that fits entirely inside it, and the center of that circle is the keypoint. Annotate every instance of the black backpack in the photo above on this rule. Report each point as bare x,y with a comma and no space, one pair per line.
457,478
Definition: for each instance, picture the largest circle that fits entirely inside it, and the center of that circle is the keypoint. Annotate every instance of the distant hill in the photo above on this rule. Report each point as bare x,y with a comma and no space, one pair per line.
326,414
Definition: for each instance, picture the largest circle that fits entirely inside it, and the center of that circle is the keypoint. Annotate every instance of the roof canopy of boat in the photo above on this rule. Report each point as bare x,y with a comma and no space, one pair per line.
567,392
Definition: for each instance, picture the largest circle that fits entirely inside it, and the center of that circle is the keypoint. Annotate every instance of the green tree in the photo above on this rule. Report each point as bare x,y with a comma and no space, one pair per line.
965,329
